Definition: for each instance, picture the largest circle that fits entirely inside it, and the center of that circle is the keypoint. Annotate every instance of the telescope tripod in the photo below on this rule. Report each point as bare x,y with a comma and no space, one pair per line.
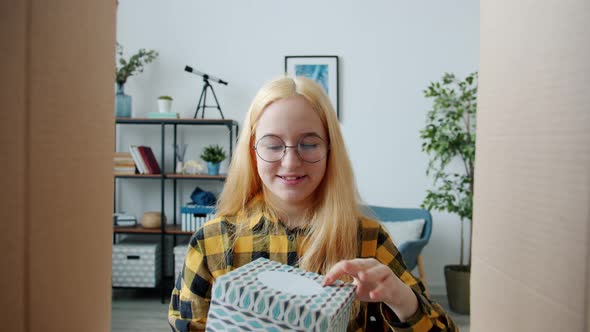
203,100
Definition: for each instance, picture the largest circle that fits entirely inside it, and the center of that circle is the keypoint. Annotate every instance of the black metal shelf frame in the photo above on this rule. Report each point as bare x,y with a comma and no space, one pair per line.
231,125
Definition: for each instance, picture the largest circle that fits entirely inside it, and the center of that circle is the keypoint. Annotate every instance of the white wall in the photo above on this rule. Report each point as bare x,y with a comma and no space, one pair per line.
389,51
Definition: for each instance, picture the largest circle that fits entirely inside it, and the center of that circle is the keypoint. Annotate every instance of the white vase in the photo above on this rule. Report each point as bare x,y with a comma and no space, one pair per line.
164,105
179,167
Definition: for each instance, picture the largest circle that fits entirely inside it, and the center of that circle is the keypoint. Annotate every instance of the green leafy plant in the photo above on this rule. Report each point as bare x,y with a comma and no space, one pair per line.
165,98
213,154
134,65
449,141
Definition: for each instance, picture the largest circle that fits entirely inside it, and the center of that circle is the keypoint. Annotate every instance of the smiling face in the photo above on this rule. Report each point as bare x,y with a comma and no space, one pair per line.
291,181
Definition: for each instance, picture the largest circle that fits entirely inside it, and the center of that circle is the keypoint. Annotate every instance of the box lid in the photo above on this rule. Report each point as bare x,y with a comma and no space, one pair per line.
136,247
197,209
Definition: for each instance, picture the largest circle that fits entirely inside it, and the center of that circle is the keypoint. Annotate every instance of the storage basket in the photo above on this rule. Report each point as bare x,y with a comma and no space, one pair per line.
136,264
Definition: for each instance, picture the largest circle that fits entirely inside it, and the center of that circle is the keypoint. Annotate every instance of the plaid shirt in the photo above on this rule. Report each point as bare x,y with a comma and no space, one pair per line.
210,255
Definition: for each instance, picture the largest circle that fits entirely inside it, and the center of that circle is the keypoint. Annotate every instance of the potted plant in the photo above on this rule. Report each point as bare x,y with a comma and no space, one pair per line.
125,69
449,141
164,104
213,155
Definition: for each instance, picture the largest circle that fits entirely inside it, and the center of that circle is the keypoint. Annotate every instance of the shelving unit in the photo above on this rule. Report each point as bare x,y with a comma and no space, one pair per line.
168,176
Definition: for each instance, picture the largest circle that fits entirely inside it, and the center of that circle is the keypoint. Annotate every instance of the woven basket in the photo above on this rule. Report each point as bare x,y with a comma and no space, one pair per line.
151,219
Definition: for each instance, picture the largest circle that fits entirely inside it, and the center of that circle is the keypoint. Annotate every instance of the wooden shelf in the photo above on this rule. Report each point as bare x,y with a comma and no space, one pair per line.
183,121
136,229
175,229
138,176
170,229
220,177
196,176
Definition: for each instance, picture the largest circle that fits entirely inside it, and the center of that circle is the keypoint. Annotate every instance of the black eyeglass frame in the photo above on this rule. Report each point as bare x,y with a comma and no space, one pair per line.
296,147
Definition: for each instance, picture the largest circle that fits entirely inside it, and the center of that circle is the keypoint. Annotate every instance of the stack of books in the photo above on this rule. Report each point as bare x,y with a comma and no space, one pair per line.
124,220
123,163
145,160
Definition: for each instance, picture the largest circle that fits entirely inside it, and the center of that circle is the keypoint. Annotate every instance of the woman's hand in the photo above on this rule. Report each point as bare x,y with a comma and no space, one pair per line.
376,282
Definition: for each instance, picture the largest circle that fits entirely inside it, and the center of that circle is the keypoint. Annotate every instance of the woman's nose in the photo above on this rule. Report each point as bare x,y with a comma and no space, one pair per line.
291,158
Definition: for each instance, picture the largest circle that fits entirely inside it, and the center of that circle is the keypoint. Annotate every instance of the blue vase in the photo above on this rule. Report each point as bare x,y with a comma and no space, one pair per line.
122,102
213,168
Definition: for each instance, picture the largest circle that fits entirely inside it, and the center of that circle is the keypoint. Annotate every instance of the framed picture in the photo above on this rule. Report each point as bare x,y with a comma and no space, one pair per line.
320,68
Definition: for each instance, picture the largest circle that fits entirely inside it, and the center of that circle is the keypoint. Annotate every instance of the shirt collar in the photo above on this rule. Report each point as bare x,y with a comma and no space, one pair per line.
258,220
259,217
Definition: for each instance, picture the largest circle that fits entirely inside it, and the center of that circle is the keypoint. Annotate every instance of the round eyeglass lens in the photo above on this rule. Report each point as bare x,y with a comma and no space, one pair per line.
270,148
312,148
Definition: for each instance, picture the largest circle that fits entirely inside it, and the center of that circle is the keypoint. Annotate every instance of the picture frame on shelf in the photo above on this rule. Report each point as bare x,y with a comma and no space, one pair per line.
320,68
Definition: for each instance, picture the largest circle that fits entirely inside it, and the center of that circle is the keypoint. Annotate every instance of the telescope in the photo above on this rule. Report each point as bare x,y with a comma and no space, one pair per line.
202,104
205,76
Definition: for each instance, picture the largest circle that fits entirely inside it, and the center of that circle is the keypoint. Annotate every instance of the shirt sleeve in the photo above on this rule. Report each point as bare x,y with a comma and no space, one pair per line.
189,303
430,316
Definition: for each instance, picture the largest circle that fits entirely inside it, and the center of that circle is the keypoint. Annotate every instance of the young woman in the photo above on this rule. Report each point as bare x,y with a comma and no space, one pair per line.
290,196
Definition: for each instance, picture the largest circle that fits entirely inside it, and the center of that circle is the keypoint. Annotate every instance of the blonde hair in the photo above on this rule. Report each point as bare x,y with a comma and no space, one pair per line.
334,220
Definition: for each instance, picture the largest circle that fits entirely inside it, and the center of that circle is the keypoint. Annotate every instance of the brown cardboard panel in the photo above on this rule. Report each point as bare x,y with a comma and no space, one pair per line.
71,146
13,159
528,245
515,306
532,187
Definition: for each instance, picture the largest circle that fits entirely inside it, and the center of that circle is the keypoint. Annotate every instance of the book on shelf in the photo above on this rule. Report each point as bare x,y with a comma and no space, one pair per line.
123,163
149,159
126,223
163,115
138,159
124,220
123,158
124,170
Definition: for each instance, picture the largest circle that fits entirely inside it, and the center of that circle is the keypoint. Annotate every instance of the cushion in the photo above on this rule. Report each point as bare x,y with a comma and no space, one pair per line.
403,231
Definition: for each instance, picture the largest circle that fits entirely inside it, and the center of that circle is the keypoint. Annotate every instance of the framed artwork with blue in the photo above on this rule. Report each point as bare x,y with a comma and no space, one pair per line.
321,68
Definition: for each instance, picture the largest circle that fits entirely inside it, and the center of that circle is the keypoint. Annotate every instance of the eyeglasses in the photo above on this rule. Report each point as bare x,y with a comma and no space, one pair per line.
311,148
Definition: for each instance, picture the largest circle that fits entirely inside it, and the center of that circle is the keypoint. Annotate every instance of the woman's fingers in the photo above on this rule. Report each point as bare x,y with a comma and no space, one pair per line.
375,274
375,281
382,290
351,267
336,272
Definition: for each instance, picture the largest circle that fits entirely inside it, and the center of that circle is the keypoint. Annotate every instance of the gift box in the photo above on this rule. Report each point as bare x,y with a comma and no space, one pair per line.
136,264
269,296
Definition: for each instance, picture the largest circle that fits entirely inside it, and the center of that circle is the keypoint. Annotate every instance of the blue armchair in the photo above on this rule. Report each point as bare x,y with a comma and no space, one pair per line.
410,250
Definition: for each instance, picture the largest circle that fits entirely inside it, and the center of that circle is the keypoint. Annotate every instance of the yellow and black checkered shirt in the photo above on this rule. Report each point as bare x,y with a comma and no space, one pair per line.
210,254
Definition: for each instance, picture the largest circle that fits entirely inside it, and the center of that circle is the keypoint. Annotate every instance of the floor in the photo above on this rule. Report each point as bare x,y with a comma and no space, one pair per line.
141,310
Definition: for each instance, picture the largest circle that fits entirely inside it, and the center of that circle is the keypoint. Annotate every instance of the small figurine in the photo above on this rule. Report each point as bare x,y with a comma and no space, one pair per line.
192,167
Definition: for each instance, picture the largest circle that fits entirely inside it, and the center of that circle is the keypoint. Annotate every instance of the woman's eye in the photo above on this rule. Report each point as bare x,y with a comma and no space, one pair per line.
308,146
274,147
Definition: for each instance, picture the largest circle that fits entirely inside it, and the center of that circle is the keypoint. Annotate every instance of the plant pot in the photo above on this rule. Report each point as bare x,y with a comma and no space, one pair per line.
213,168
457,278
164,105
122,102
